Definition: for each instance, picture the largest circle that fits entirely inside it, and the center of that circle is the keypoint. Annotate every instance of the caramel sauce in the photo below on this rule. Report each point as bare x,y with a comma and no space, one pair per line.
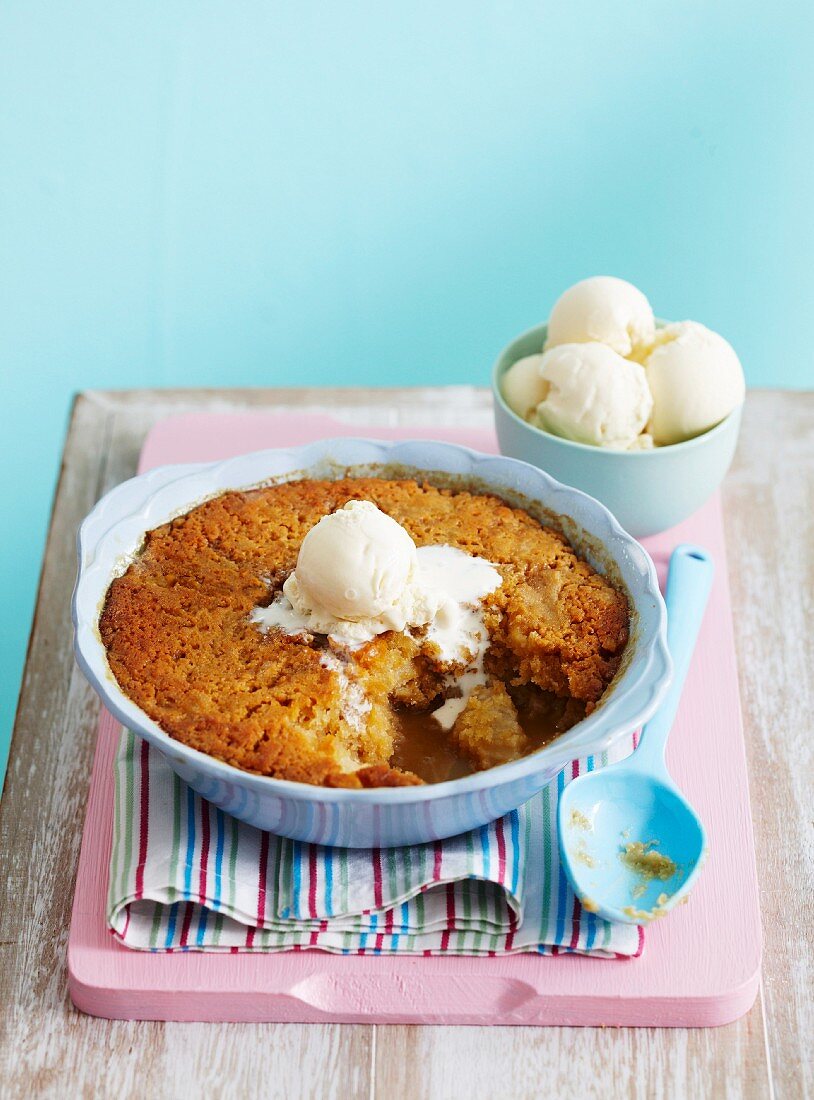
424,748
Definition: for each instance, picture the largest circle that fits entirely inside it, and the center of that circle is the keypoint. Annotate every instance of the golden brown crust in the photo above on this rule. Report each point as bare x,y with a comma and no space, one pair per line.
181,645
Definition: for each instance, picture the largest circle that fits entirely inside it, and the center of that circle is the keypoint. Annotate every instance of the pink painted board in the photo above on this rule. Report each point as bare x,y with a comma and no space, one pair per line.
700,966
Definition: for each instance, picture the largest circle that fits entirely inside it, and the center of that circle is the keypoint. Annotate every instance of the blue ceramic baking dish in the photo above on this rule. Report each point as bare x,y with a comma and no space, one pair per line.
114,531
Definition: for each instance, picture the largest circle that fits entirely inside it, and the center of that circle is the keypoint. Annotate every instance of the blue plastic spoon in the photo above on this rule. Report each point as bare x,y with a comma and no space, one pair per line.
630,843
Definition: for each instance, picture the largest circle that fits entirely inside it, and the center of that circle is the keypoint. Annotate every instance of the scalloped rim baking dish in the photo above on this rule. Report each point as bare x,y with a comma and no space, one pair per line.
113,532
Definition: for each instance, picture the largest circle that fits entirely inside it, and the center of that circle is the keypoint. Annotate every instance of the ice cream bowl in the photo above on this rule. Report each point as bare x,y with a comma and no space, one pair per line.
648,490
114,532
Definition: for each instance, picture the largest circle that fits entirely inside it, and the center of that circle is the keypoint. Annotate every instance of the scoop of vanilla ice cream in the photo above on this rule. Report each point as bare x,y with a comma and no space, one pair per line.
523,387
353,564
595,396
603,310
359,574
696,380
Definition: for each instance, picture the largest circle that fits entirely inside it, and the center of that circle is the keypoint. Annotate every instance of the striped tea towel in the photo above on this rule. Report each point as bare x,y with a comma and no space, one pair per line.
185,876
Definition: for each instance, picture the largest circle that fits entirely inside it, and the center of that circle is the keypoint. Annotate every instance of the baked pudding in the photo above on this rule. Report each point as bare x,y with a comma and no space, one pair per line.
363,632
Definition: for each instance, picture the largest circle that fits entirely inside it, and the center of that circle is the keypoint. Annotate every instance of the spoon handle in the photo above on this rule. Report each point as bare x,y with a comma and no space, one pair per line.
689,580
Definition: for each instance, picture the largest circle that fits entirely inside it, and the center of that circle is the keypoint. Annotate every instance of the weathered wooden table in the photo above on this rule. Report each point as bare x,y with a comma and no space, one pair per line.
48,1049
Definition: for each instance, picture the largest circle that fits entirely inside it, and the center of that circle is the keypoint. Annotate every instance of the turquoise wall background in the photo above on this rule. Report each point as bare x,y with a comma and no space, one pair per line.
269,193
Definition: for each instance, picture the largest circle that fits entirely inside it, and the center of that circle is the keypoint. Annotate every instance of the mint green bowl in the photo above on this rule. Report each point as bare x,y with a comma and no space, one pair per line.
647,491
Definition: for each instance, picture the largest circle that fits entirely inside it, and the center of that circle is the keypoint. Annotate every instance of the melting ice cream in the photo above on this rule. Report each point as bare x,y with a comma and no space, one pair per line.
359,574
